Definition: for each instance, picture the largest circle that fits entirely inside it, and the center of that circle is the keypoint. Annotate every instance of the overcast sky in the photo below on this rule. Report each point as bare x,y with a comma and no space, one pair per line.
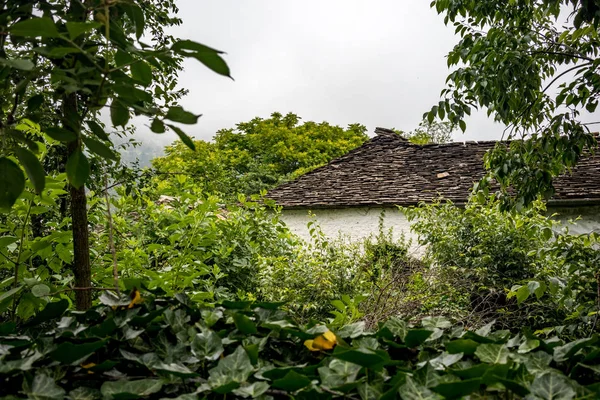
378,63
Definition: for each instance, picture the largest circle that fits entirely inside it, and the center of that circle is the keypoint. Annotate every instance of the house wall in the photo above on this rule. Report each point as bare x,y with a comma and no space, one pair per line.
358,223
352,223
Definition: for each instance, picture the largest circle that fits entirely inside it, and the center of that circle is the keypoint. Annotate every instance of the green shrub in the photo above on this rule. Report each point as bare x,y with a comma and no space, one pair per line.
170,348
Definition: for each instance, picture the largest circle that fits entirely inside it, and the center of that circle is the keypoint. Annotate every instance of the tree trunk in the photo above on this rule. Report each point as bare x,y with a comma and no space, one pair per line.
78,207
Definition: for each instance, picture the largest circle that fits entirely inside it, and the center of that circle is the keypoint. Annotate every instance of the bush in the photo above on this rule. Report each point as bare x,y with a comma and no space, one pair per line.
170,348
490,261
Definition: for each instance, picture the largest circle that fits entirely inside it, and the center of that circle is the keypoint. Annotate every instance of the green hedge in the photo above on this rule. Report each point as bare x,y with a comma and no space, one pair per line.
170,348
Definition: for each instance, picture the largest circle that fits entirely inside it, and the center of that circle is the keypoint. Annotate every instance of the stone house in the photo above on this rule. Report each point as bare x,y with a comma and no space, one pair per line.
348,195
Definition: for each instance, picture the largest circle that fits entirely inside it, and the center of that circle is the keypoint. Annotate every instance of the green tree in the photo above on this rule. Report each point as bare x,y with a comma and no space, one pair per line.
430,132
62,63
533,66
258,154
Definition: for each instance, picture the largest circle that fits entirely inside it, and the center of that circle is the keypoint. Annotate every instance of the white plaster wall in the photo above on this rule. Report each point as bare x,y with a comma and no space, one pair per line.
351,223
579,220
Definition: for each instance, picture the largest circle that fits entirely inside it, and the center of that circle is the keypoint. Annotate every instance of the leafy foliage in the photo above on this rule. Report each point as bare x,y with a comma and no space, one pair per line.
256,155
533,67
169,348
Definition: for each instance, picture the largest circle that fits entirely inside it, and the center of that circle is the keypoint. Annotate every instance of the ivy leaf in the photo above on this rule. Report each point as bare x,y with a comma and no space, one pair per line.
416,337
100,149
253,390
552,386
138,388
35,27
291,382
338,373
44,387
207,345
492,353
235,368
412,390
466,346
244,324
178,114
207,56
33,168
12,183
84,393
563,353
78,168
70,353
396,327
459,389
183,136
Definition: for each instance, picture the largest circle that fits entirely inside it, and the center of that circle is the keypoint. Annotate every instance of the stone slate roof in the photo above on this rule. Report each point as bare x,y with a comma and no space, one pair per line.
388,170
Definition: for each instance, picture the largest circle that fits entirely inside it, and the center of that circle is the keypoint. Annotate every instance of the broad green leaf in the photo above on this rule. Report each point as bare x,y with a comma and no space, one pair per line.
235,368
352,330
207,56
396,326
291,382
492,353
100,149
436,322
78,28
33,168
84,393
98,130
138,388
363,357
244,324
78,168
119,114
207,345
466,346
528,345
12,183
22,64
10,293
522,294
35,27
40,290
61,134
552,386
459,389
563,353
178,114
253,390
537,362
416,337
44,387
445,360
157,126
141,72
5,241
338,373
411,390
183,136
51,311
69,353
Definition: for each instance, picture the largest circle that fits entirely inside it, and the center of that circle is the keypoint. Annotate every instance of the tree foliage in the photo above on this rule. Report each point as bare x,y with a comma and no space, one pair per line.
533,66
259,154
61,63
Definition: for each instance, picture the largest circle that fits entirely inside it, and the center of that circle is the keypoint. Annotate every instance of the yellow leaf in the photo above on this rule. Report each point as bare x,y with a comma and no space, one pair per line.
326,341
87,366
136,298
309,345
